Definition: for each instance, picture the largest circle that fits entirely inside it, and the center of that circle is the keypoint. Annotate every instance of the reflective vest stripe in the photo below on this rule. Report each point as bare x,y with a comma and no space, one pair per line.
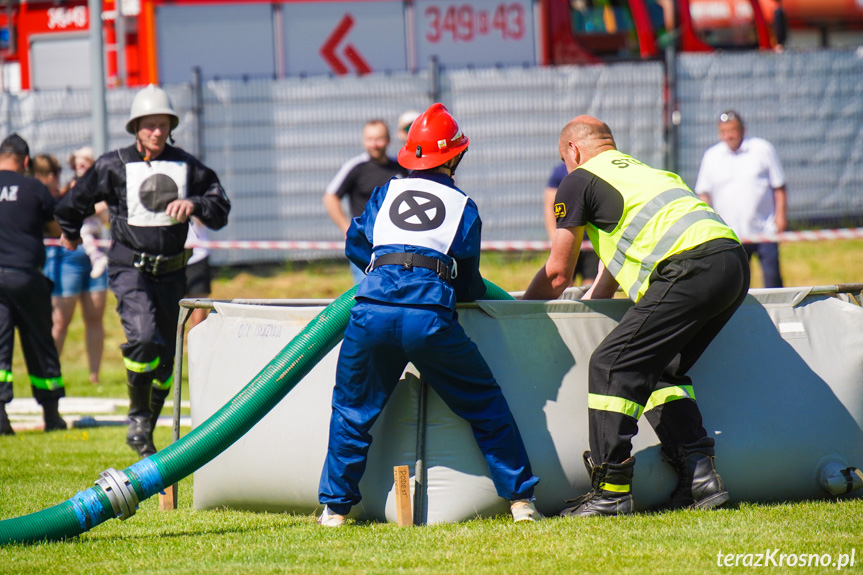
669,394
616,404
616,487
5,376
139,367
50,383
637,224
664,245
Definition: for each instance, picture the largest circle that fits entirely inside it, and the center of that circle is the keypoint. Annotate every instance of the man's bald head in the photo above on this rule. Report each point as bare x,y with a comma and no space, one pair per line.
583,138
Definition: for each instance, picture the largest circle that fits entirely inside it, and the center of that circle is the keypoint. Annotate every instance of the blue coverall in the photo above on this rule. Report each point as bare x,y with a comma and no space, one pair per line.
408,315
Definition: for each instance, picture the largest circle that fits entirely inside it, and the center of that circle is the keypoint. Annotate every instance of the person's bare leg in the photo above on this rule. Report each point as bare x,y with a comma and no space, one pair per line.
93,314
198,315
63,308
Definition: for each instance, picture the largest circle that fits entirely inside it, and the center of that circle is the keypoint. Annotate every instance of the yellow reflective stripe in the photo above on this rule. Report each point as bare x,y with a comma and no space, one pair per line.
166,385
665,244
5,376
616,404
50,383
637,224
614,487
669,394
139,367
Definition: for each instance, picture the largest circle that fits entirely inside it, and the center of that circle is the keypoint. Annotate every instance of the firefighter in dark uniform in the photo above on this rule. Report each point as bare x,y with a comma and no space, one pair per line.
152,189
26,213
687,273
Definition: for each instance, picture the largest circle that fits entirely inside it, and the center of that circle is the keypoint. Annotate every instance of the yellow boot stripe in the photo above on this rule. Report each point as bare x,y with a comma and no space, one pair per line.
614,487
163,385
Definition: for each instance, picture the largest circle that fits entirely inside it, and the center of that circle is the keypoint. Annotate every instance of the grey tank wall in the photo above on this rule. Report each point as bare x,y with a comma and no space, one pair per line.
780,391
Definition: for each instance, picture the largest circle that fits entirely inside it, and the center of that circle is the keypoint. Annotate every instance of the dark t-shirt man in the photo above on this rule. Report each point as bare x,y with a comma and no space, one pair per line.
362,178
25,207
26,210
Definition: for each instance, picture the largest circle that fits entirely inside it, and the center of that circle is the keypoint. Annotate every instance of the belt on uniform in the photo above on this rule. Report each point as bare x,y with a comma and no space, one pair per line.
410,260
155,264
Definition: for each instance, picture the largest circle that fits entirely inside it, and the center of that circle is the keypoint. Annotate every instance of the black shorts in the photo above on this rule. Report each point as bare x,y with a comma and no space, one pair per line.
198,279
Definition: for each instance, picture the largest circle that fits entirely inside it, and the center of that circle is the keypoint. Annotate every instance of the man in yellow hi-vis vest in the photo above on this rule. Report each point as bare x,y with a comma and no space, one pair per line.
687,273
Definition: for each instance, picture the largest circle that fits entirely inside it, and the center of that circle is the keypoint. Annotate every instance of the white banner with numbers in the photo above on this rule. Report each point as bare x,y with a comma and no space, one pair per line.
475,32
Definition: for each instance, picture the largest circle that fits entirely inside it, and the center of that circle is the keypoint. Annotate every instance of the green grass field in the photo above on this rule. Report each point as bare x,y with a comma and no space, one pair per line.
39,470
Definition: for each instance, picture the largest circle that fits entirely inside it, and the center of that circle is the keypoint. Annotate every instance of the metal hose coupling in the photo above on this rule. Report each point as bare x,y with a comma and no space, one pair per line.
121,494
836,477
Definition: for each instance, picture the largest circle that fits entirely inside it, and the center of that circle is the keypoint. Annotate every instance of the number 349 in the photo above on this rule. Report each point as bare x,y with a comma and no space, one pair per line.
464,24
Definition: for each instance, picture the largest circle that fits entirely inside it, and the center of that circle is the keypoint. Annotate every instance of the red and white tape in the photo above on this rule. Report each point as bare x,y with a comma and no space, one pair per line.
494,246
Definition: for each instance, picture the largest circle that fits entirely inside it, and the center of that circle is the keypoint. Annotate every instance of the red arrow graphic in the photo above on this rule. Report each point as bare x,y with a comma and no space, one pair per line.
357,60
328,50
329,47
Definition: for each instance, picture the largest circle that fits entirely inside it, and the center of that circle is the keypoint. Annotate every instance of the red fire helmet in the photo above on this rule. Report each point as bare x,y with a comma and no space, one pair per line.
433,139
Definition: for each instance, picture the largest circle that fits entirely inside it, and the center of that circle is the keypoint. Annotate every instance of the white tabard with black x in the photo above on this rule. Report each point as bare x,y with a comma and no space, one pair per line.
419,212
150,187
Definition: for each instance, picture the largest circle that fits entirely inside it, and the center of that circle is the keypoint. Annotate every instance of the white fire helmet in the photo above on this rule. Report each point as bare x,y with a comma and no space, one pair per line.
150,101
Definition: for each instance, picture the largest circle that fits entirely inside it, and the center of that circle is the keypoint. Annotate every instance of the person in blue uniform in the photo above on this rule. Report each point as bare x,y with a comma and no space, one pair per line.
419,240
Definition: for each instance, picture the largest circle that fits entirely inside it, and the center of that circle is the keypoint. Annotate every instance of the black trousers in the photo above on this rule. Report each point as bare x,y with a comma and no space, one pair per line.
148,306
25,303
655,344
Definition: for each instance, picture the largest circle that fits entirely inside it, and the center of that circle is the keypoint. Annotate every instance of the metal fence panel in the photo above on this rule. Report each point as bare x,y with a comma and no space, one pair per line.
275,144
59,121
513,117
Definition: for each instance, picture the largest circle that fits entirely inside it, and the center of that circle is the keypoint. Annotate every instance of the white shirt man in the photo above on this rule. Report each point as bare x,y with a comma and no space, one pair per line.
743,180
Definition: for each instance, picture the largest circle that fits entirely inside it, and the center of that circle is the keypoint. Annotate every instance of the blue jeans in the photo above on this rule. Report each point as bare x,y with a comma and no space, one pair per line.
70,272
768,257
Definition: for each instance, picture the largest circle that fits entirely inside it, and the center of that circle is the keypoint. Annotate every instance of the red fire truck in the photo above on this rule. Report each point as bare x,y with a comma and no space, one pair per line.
45,44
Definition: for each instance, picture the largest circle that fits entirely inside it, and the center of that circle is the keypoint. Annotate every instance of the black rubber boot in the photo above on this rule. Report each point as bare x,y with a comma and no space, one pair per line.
140,434
51,414
698,484
611,492
5,426
157,401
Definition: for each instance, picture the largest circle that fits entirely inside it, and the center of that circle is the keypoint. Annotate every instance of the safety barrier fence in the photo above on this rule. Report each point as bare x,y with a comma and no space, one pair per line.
496,245
276,144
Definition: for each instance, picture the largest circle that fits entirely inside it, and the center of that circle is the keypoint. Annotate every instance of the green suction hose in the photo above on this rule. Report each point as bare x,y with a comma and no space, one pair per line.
117,493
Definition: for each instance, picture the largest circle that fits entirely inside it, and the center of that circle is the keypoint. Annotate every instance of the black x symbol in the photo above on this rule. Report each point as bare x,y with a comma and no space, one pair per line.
416,211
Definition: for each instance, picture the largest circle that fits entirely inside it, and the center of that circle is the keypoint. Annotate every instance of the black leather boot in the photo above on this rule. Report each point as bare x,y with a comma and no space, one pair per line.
157,402
140,434
611,492
5,426
698,484
51,415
